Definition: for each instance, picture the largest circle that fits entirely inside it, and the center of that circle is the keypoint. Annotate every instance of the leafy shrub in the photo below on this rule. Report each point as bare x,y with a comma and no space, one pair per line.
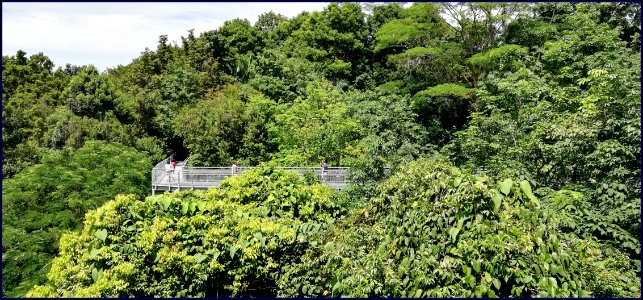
44,200
228,241
435,231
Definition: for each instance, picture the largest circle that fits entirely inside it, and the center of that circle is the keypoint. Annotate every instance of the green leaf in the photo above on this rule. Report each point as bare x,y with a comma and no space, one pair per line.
470,280
497,200
526,188
200,257
101,234
553,282
184,207
461,222
93,253
329,246
476,265
496,283
233,249
244,244
505,186
335,288
454,233
400,271
418,293
96,274
165,202
135,214
399,231
466,270
201,205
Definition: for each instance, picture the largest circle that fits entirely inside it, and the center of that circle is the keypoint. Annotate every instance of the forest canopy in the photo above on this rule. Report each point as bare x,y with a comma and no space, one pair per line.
511,133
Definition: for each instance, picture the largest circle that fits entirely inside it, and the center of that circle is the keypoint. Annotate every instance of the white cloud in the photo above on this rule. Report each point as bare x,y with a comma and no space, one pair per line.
108,34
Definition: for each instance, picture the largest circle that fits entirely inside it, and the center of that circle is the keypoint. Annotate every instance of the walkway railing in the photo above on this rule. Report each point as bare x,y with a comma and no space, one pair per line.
187,177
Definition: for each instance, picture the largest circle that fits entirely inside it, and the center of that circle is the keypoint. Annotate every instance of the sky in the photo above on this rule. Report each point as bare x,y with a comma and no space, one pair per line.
109,34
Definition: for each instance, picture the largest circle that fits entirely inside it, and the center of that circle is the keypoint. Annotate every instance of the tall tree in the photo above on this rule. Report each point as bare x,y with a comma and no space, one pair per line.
45,200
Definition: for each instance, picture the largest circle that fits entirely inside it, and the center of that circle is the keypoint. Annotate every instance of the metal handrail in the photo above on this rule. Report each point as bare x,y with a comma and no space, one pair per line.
202,177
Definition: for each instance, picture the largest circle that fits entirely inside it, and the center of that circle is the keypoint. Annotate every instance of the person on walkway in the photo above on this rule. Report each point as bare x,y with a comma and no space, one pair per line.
172,168
324,167
234,167
167,168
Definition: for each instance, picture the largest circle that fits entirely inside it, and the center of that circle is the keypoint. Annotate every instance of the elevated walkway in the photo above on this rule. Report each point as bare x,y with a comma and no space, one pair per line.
201,178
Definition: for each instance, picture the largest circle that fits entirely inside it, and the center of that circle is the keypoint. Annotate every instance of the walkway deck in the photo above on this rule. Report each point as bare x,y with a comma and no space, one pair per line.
201,178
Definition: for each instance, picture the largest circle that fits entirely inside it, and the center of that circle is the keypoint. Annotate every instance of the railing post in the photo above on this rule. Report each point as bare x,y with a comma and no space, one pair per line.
153,181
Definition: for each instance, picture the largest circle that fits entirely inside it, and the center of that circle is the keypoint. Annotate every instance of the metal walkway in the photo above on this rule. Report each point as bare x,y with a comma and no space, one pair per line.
201,178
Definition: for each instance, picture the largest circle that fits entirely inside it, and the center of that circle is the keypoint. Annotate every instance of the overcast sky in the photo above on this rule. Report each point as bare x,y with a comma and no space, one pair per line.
109,34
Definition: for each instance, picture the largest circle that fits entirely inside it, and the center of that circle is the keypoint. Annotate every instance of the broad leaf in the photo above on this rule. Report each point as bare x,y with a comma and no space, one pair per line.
505,186
101,234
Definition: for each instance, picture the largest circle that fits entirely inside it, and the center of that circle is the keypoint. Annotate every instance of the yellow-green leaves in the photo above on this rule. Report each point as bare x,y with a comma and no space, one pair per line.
96,274
165,201
101,234
232,233
199,257
93,253
233,250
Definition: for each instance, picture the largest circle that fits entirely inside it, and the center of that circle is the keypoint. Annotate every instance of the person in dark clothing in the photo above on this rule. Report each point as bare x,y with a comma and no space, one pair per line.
324,167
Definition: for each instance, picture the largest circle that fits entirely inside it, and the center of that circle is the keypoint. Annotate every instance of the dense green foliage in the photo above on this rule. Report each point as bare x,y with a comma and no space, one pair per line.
46,200
497,98
229,241
435,231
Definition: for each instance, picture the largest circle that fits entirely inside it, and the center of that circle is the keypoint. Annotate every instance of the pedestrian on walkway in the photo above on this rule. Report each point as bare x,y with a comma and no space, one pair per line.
234,167
172,168
324,168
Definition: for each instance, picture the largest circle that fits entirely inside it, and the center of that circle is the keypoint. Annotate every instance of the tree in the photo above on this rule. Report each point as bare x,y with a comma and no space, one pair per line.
315,127
31,91
89,94
231,241
45,200
257,145
478,236
564,116
212,130
479,26
334,40
267,24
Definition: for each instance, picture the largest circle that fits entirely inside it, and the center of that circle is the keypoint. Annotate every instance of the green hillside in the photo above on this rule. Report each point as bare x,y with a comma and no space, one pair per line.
511,130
